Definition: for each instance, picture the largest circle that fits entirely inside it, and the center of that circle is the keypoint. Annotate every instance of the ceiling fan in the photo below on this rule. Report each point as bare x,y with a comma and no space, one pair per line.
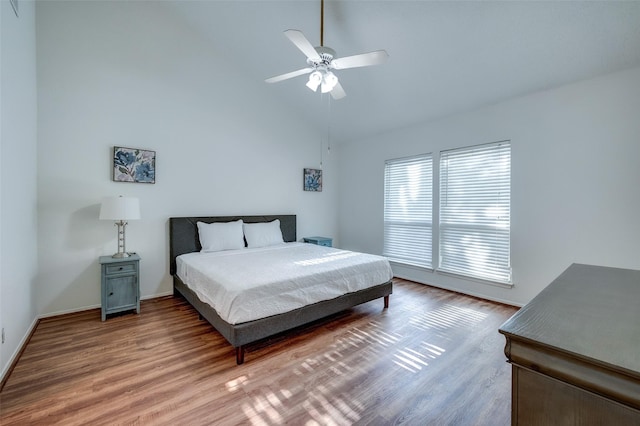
321,60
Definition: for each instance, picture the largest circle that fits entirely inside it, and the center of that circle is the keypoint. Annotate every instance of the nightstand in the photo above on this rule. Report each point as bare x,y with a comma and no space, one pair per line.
320,241
120,284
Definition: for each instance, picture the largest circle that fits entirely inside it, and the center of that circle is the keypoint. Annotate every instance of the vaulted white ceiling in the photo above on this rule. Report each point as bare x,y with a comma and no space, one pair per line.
445,57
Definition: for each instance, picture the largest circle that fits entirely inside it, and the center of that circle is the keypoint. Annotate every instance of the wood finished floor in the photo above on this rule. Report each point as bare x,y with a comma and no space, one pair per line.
433,358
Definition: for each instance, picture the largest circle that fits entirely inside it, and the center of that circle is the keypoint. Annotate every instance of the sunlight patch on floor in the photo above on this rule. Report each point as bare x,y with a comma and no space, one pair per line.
324,405
434,351
410,360
447,317
266,409
235,384
373,335
340,369
328,410
253,416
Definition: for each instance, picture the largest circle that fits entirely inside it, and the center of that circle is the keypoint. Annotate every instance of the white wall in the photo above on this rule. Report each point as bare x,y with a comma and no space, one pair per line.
18,223
130,74
575,175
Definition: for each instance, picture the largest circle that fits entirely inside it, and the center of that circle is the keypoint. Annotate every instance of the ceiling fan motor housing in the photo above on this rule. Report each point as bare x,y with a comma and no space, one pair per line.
326,55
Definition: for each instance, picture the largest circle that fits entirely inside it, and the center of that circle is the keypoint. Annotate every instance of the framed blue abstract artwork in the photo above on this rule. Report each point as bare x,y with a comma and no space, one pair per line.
134,165
312,180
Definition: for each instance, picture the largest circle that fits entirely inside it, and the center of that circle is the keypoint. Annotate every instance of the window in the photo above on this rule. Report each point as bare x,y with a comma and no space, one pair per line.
407,210
475,197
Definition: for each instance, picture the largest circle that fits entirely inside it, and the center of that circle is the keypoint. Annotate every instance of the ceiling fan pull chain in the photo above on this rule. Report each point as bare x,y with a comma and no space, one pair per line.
328,130
329,125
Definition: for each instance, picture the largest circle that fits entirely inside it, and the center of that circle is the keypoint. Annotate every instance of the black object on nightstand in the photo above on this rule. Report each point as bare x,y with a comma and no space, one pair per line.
120,284
320,241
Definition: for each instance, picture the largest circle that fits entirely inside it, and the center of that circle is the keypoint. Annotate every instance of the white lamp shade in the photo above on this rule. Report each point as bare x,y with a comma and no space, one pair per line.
120,208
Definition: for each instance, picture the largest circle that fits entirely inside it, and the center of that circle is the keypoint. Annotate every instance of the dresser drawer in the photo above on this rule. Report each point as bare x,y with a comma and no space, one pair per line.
120,268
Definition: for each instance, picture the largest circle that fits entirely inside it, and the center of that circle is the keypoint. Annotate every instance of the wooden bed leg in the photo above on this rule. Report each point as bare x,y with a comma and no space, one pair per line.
240,355
386,301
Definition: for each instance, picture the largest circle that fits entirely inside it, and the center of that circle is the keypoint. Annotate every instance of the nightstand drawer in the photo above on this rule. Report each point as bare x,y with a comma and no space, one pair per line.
320,241
121,268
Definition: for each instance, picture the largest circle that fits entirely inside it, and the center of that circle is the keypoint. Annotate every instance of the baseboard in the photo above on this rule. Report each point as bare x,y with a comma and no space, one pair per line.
18,353
69,311
87,308
457,290
156,296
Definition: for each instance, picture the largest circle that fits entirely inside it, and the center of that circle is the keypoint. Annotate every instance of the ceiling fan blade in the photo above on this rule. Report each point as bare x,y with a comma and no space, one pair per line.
338,92
288,75
303,44
362,60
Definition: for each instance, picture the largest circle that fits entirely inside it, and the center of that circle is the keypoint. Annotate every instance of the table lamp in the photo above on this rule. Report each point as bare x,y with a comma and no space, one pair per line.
120,209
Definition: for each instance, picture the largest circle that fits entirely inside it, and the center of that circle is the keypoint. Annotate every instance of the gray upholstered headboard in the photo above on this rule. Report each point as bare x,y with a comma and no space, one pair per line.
183,232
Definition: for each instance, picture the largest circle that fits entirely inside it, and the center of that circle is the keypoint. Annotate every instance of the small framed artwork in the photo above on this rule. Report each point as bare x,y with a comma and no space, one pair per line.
134,165
312,180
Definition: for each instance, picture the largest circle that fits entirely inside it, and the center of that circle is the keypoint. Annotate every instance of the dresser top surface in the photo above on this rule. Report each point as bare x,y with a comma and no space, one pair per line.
589,311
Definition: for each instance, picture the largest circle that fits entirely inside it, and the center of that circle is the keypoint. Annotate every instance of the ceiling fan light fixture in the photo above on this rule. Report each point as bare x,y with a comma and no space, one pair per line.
315,78
329,81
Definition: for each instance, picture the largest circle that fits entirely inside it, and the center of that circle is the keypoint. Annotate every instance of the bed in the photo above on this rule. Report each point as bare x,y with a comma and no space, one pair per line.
184,240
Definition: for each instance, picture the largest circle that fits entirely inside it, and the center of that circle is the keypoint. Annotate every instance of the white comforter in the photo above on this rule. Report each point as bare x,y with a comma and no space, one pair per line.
248,284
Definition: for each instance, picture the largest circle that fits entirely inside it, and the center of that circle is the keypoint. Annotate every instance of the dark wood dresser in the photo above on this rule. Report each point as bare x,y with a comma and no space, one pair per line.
575,350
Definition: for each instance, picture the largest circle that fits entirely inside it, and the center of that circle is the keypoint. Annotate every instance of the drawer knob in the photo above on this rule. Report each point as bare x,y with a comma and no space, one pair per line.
121,268
111,294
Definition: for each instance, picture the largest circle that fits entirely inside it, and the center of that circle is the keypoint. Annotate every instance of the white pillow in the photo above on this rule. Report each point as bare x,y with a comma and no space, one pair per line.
219,236
263,234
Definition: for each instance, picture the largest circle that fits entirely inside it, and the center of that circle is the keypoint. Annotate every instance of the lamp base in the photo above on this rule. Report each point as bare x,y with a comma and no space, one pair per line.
121,224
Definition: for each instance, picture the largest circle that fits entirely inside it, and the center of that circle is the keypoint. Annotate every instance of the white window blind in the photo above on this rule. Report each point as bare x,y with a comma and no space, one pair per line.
407,210
475,205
